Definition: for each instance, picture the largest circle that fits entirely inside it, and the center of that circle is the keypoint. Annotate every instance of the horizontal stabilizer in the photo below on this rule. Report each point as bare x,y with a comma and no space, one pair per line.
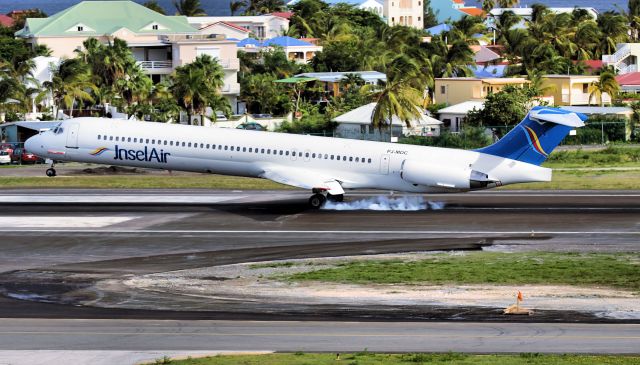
574,120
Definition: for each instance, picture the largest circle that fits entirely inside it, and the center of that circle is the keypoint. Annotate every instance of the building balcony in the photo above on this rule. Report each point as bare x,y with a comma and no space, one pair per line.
583,99
230,89
155,67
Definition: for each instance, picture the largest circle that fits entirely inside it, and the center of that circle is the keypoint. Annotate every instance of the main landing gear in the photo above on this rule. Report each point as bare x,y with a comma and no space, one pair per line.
51,172
318,199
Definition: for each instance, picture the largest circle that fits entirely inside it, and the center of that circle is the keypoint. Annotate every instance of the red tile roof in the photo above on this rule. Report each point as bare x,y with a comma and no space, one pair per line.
594,64
231,25
283,14
6,21
458,1
632,78
472,11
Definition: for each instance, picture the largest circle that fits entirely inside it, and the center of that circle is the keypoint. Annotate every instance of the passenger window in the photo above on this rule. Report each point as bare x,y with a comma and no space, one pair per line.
195,145
189,145
250,149
98,136
111,138
281,152
357,159
165,143
208,146
244,149
268,151
184,144
147,141
326,156
201,145
306,154
286,153
231,148
153,141
369,160
226,148
117,139
262,150
219,146
332,157
171,143
313,155
135,140
350,159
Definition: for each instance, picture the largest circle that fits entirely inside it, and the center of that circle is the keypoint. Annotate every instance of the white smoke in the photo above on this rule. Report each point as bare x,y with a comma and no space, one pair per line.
383,202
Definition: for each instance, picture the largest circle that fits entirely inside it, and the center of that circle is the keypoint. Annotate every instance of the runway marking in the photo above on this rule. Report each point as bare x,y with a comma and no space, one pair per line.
79,221
280,334
119,198
148,231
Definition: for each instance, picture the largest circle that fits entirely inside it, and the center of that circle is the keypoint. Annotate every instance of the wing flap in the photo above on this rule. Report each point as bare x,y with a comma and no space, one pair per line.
302,178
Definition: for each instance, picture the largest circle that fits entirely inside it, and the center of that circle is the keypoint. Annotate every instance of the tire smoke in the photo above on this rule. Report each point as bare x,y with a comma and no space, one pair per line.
383,202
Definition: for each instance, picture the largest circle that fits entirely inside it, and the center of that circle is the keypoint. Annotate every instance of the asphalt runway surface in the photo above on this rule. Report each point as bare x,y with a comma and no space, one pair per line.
57,243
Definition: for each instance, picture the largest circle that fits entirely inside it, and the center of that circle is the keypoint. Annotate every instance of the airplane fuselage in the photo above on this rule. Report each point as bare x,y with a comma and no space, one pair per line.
354,164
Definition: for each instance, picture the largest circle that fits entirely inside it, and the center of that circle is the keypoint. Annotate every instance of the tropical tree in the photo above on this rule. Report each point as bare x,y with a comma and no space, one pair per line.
197,85
70,83
236,6
430,18
487,5
189,7
508,3
265,6
153,5
633,17
399,96
606,84
613,27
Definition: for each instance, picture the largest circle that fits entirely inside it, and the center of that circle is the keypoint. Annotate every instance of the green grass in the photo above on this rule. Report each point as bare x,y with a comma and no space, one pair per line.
588,180
141,182
608,270
366,358
612,156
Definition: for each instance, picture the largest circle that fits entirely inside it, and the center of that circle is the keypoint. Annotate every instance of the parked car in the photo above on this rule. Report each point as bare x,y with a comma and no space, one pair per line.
251,126
21,155
5,158
8,147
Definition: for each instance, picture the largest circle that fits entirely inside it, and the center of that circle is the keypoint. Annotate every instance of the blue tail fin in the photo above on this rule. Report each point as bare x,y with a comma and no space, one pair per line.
536,136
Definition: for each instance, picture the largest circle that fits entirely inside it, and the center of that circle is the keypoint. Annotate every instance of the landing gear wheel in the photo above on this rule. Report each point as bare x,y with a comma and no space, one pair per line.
336,198
317,201
51,172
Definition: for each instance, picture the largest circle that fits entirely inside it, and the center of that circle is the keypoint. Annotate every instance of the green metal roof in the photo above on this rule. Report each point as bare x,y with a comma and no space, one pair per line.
105,17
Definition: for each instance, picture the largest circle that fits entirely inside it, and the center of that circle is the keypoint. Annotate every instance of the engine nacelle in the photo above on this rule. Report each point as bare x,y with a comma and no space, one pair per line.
429,174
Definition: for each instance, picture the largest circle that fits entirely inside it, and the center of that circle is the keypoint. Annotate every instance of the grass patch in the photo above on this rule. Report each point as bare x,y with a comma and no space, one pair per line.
572,180
585,180
273,265
142,182
368,358
593,269
612,156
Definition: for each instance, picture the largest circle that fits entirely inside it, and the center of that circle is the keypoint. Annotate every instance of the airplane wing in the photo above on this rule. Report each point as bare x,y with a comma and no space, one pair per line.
302,178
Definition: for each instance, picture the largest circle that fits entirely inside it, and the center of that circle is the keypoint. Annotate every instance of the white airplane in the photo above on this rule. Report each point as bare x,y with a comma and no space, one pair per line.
326,166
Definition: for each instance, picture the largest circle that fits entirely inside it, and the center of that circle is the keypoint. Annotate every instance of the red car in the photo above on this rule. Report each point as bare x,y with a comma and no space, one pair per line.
7,147
21,156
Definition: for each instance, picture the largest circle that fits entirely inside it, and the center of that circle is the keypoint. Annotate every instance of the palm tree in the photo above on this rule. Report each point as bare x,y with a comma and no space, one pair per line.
235,6
633,16
487,5
197,85
70,82
606,84
189,7
398,96
153,5
613,27
508,3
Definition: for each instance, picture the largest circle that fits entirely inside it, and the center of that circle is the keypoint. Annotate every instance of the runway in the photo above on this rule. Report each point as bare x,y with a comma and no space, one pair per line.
56,244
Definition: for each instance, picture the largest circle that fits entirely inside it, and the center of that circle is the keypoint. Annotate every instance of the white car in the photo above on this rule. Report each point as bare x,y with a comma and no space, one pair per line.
5,158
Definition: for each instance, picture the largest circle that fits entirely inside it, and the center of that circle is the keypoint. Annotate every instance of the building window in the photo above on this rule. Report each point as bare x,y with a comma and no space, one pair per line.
80,28
443,89
585,88
154,27
363,129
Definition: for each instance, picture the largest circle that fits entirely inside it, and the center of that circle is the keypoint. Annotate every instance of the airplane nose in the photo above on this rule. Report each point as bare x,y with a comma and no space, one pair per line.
33,145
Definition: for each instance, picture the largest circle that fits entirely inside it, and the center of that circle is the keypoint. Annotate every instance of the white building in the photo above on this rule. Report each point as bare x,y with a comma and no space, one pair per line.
453,115
356,124
295,49
625,59
230,30
261,26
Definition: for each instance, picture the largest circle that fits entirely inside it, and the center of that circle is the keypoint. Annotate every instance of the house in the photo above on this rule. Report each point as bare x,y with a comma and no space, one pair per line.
453,116
230,30
159,43
260,26
6,21
356,124
572,90
331,80
453,10
625,59
613,112
526,13
455,90
295,49
630,82
394,12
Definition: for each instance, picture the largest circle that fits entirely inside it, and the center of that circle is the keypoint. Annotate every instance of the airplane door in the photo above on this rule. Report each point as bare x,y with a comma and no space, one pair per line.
72,135
384,165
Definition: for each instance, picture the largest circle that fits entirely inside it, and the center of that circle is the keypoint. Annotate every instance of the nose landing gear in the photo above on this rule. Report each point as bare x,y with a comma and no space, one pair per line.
51,171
